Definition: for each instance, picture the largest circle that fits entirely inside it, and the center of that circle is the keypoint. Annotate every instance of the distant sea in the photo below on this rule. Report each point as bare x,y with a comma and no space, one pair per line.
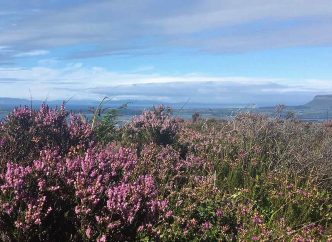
222,113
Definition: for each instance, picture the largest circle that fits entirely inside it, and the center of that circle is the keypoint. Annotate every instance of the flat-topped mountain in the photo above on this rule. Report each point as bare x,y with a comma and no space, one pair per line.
320,102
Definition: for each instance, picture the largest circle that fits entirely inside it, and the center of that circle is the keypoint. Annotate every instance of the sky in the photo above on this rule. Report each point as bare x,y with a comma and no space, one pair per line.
203,51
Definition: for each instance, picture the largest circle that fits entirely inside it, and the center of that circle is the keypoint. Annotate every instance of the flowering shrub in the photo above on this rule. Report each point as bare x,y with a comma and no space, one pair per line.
36,202
205,212
109,203
90,196
199,213
156,125
247,179
25,132
171,170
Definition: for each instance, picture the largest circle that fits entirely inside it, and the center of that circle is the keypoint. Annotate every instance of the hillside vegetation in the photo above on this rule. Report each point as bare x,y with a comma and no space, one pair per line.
159,178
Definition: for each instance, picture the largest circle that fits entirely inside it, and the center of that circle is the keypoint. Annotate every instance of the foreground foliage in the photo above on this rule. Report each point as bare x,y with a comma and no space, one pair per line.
158,178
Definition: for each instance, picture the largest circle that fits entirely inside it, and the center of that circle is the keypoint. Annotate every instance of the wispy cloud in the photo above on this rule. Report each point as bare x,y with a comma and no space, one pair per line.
32,53
127,26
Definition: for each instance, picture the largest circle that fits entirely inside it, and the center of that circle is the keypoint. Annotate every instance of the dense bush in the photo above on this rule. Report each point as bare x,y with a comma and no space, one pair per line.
87,197
156,125
26,132
169,169
158,178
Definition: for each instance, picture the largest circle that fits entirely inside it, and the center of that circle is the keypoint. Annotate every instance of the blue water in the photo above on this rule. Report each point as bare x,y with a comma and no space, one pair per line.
222,113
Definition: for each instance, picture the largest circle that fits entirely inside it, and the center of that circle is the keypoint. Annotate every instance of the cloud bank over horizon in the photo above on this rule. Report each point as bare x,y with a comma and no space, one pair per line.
83,83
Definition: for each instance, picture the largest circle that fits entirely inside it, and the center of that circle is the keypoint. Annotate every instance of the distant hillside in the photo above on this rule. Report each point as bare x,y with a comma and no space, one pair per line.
5,101
320,102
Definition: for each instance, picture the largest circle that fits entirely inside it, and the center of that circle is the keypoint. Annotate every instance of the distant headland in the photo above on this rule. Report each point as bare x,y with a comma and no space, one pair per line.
320,102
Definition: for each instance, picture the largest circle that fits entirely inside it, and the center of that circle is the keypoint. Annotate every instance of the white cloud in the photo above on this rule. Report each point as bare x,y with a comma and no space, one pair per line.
32,53
94,83
5,49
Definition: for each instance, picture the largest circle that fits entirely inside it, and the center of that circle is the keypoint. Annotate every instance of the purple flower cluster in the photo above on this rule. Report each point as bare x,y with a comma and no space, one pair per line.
25,132
108,199
25,198
96,189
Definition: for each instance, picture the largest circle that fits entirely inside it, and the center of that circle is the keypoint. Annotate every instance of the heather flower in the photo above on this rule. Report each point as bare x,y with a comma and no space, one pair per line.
255,238
206,225
257,219
102,238
88,232
168,214
219,213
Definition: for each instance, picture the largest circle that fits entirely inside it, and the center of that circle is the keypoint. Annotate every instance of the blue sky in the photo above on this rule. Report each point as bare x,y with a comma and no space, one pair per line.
208,51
